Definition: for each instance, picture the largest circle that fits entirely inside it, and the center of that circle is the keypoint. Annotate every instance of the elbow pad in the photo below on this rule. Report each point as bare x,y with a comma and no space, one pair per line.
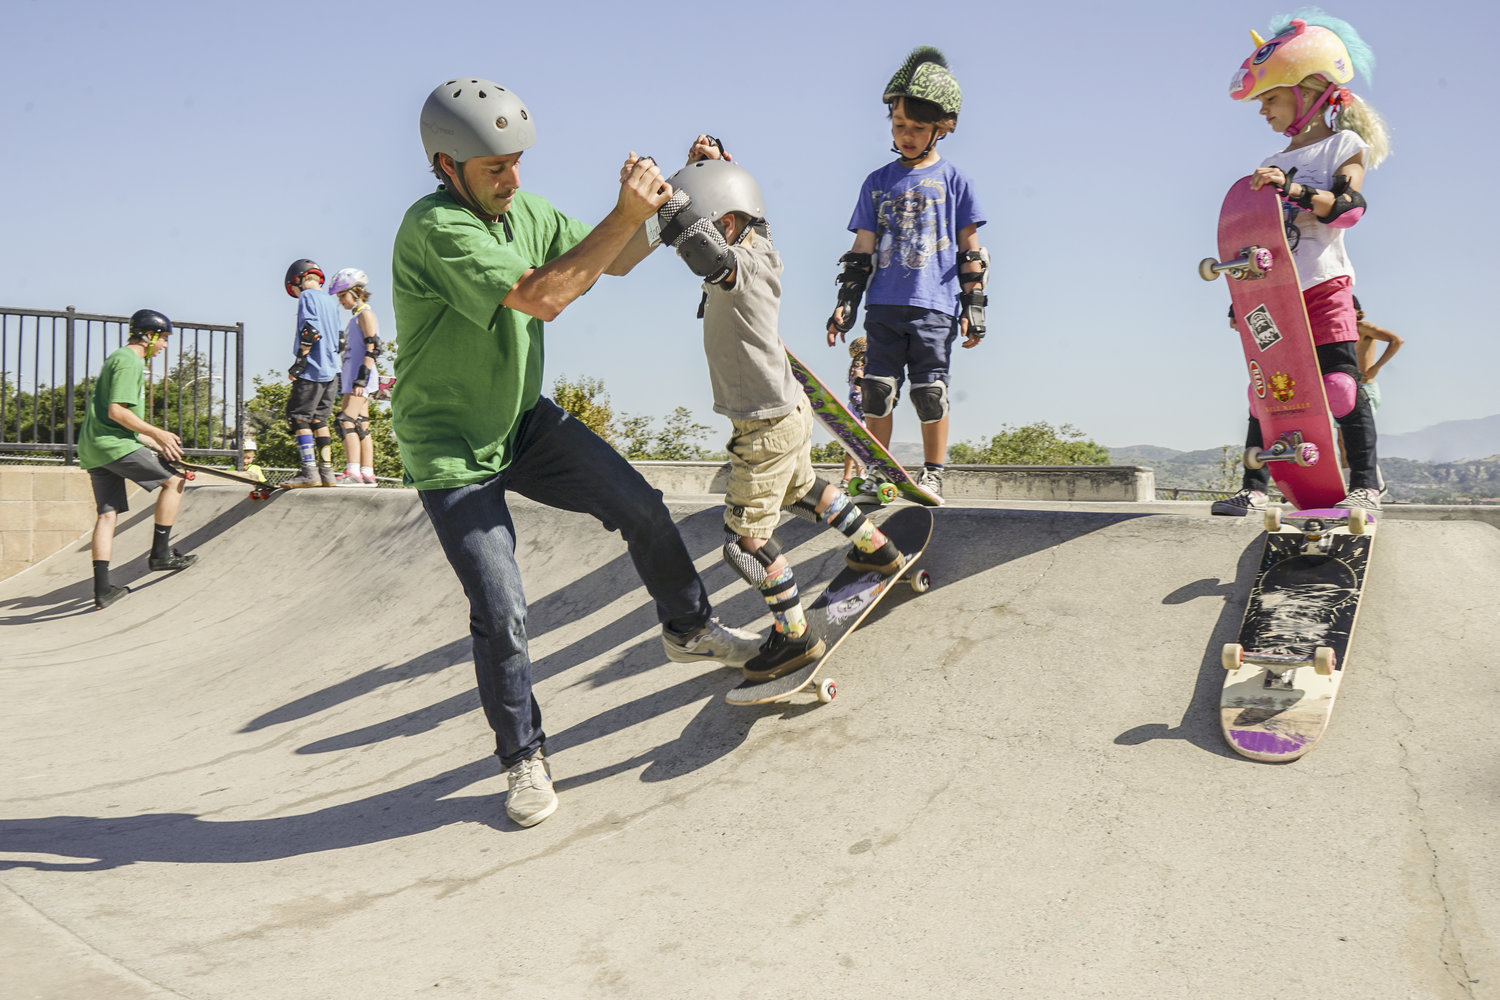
306,338
373,347
1348,206
697,240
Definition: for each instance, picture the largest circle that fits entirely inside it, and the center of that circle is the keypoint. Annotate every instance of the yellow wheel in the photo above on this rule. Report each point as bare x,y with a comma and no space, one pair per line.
1273,519
1358,524
1232,655
1324,660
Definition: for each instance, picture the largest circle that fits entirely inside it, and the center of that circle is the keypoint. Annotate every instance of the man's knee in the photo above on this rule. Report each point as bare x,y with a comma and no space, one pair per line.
930,400
880,396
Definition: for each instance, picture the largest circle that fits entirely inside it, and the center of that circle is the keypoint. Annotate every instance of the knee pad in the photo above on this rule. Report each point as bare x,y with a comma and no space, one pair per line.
298,426
317,425
345,424
930,400
362,427
751,566
807,506
881,395
1343,393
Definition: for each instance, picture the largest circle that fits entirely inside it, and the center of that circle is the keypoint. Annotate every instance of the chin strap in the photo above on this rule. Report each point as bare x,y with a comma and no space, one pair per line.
1334,95
923,154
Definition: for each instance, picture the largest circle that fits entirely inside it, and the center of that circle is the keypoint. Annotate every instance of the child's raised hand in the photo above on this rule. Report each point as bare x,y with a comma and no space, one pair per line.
706,147
642,188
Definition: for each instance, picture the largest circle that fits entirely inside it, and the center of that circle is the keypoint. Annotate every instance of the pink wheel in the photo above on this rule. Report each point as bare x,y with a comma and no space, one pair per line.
1307,454
1263,259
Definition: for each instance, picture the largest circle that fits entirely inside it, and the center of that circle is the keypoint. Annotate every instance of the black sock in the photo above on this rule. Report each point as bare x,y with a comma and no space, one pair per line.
934,466
160,542
101,576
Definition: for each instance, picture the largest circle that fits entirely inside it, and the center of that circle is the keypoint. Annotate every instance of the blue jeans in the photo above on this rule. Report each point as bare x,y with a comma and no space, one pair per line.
561,463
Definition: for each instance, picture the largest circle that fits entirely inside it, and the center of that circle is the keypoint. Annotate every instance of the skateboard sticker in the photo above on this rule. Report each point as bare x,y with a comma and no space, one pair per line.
1262,327
1283,386
1257,380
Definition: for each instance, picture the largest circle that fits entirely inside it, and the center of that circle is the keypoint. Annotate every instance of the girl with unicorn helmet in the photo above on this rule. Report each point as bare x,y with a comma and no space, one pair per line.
1298,77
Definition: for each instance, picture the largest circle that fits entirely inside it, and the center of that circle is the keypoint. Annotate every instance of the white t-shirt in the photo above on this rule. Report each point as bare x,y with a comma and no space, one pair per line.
1317,248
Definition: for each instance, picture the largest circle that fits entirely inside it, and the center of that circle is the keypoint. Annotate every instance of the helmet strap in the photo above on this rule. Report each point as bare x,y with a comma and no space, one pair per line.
923,154
461,195
1303,119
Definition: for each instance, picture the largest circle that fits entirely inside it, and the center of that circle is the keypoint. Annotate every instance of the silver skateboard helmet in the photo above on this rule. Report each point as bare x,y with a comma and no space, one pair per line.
469,116
719,186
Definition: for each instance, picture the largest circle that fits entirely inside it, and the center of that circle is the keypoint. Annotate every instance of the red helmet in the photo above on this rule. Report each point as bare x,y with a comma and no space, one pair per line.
299,270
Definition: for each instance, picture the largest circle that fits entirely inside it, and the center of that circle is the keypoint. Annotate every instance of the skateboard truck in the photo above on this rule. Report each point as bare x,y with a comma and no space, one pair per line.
1288,448
1278,665
1253,262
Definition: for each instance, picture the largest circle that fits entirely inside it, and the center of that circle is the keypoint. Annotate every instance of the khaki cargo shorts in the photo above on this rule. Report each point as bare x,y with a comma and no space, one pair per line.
770,468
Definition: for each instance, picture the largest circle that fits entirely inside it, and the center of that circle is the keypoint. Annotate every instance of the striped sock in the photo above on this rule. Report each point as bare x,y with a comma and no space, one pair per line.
846,516
780,593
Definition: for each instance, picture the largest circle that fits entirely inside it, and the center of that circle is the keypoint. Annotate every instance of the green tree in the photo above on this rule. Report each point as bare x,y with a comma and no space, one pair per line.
587,401
1034,444
679,439
830,451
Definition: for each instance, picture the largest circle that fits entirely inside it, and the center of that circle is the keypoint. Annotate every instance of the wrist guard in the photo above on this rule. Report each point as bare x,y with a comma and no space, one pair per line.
973,310
298,367
362,377
851,282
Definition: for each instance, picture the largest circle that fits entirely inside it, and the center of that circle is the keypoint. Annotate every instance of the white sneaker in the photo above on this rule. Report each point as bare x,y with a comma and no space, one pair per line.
531,798
1240,504
712,641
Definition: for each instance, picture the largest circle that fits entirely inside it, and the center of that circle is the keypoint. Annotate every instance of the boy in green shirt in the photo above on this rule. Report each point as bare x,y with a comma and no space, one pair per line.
110,449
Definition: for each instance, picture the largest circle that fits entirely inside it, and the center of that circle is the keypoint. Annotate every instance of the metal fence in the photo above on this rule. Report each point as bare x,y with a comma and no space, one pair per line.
49,360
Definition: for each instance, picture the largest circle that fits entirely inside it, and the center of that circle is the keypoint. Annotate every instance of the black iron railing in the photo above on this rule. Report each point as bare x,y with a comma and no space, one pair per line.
49,359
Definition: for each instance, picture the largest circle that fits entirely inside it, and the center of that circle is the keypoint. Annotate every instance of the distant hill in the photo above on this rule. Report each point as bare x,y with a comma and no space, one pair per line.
1450,441
1476,481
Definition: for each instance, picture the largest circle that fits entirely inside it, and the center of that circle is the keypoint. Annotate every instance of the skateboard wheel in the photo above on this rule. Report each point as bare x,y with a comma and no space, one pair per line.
1251,458
888,492
1232,655
921,582
1208,270
855,484
1307,454
1358,522
828,690
1324,660
1273,519
1262,259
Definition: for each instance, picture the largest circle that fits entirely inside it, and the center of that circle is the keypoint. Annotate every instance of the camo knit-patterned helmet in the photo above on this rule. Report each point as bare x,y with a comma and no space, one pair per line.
925,77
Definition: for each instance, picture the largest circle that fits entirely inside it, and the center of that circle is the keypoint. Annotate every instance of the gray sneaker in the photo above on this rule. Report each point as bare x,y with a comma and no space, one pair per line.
712,641
531,798
325,474
931,480
1240,504
309,476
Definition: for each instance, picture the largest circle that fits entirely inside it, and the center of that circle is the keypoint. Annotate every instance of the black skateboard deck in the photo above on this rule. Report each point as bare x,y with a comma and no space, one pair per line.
846,602
1283,672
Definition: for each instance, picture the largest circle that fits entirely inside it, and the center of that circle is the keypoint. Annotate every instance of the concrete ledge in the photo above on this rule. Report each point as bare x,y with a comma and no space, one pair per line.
43,509
1127,483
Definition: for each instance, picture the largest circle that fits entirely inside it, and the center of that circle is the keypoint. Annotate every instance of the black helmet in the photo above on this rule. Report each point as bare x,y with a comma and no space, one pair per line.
147,322
300,269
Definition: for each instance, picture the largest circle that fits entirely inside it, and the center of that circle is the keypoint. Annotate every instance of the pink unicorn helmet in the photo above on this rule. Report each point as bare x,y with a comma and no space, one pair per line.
1300,51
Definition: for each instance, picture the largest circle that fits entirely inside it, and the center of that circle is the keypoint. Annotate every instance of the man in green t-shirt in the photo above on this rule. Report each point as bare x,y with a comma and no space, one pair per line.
109,447
477,268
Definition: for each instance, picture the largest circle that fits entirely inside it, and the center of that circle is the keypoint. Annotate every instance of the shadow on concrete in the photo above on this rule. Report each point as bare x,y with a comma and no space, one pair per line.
1199,725
184,838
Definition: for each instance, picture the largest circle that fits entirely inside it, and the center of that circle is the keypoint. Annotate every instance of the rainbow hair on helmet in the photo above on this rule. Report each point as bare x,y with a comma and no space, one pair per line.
1350,112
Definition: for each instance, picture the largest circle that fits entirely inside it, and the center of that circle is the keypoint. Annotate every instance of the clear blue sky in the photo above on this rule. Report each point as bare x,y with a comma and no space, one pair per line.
179,156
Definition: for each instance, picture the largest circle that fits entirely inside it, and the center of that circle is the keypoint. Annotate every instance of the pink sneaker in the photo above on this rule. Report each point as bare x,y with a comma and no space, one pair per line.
351,479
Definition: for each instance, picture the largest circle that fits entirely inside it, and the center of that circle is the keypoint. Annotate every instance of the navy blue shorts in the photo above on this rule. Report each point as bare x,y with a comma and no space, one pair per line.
910,341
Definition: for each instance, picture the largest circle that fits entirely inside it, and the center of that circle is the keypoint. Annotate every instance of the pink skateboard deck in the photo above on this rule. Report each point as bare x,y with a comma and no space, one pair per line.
1286,385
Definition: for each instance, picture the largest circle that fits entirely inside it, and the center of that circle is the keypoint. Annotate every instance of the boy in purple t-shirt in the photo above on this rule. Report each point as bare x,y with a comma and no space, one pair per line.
916,248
